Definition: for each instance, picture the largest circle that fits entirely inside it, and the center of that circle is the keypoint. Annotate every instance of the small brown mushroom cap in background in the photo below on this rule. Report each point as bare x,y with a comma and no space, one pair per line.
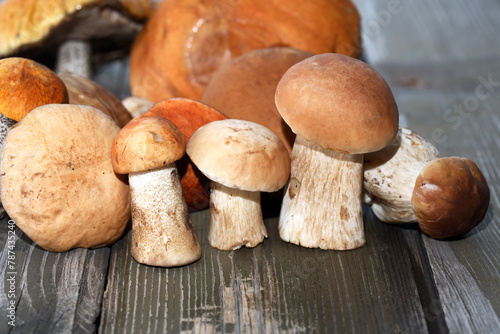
186,41
451,196
88,92
244,89
57,179
25,85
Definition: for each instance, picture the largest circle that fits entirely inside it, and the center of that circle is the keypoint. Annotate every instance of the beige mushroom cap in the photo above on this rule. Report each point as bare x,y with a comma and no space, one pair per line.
57,180
240,154
451,196
147,142
338,103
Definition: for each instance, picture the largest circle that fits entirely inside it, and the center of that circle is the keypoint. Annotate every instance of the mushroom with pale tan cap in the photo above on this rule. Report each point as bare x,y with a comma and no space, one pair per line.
244,88
390,173
57,180
162,231
339,108
242,159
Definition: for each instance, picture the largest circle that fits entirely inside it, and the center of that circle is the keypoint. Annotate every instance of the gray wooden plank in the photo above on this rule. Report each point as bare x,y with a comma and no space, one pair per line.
50,292
429,31
275,287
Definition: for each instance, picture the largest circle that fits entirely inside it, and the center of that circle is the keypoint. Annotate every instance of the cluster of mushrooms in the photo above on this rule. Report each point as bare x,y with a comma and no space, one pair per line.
307,124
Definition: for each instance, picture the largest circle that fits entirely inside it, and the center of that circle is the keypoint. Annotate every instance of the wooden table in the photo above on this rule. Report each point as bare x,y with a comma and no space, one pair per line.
439,57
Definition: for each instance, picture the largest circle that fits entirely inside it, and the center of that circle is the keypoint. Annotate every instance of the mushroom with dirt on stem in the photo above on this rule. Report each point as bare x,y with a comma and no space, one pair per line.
339,108
162,232
241,159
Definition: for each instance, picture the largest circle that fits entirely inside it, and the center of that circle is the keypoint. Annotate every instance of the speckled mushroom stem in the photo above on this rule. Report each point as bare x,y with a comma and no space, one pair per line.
74,56
322,202
390,174
162,231
236,218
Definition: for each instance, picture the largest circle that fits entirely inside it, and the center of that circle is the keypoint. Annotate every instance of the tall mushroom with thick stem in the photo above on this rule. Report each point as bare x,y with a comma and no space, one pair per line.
242,159
339,108
162,231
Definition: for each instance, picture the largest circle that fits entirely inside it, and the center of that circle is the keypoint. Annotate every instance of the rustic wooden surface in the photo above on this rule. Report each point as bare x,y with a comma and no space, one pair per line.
435,55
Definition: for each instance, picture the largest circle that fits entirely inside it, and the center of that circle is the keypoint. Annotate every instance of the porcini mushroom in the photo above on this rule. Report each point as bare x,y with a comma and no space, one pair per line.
451,196
390,174
202,37
188,115
241,159
339,108
162,231
57,180
137,105
244,88
85,91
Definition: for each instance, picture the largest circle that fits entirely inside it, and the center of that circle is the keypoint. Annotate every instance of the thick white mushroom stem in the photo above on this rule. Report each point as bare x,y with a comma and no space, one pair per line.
75,56
236,218
162,231
390,175
322,202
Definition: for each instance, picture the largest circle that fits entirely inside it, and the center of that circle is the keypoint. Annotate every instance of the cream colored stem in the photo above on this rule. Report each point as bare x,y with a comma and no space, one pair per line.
322,202
75,56
162,232
235,218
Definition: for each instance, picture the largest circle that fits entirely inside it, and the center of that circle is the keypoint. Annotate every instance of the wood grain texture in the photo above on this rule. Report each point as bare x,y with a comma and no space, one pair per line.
53,292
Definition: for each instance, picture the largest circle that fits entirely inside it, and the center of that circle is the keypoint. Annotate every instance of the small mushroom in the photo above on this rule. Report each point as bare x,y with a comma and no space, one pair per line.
84,91
339,108
188,115
244,89
390,173
242,159
57,180
162,231
451,196
201,38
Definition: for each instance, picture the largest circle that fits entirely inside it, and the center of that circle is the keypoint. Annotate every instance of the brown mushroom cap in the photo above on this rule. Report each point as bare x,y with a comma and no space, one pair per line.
338,103
25,85
244,89
188,115
201,37
147,143
240,154
451,196
57,179
88,92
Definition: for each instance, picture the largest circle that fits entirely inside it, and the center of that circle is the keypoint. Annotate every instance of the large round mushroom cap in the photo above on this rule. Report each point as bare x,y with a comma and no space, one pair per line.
146,143
451,196
338,103
186,41
25,85
244,89
57,180
240,154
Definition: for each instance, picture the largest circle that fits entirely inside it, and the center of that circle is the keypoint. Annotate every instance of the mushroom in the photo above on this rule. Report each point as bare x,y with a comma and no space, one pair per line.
25,85
162,231
390,174
252,79
84,91
339,108
202,37
451,196
241,159
188,115
57,180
